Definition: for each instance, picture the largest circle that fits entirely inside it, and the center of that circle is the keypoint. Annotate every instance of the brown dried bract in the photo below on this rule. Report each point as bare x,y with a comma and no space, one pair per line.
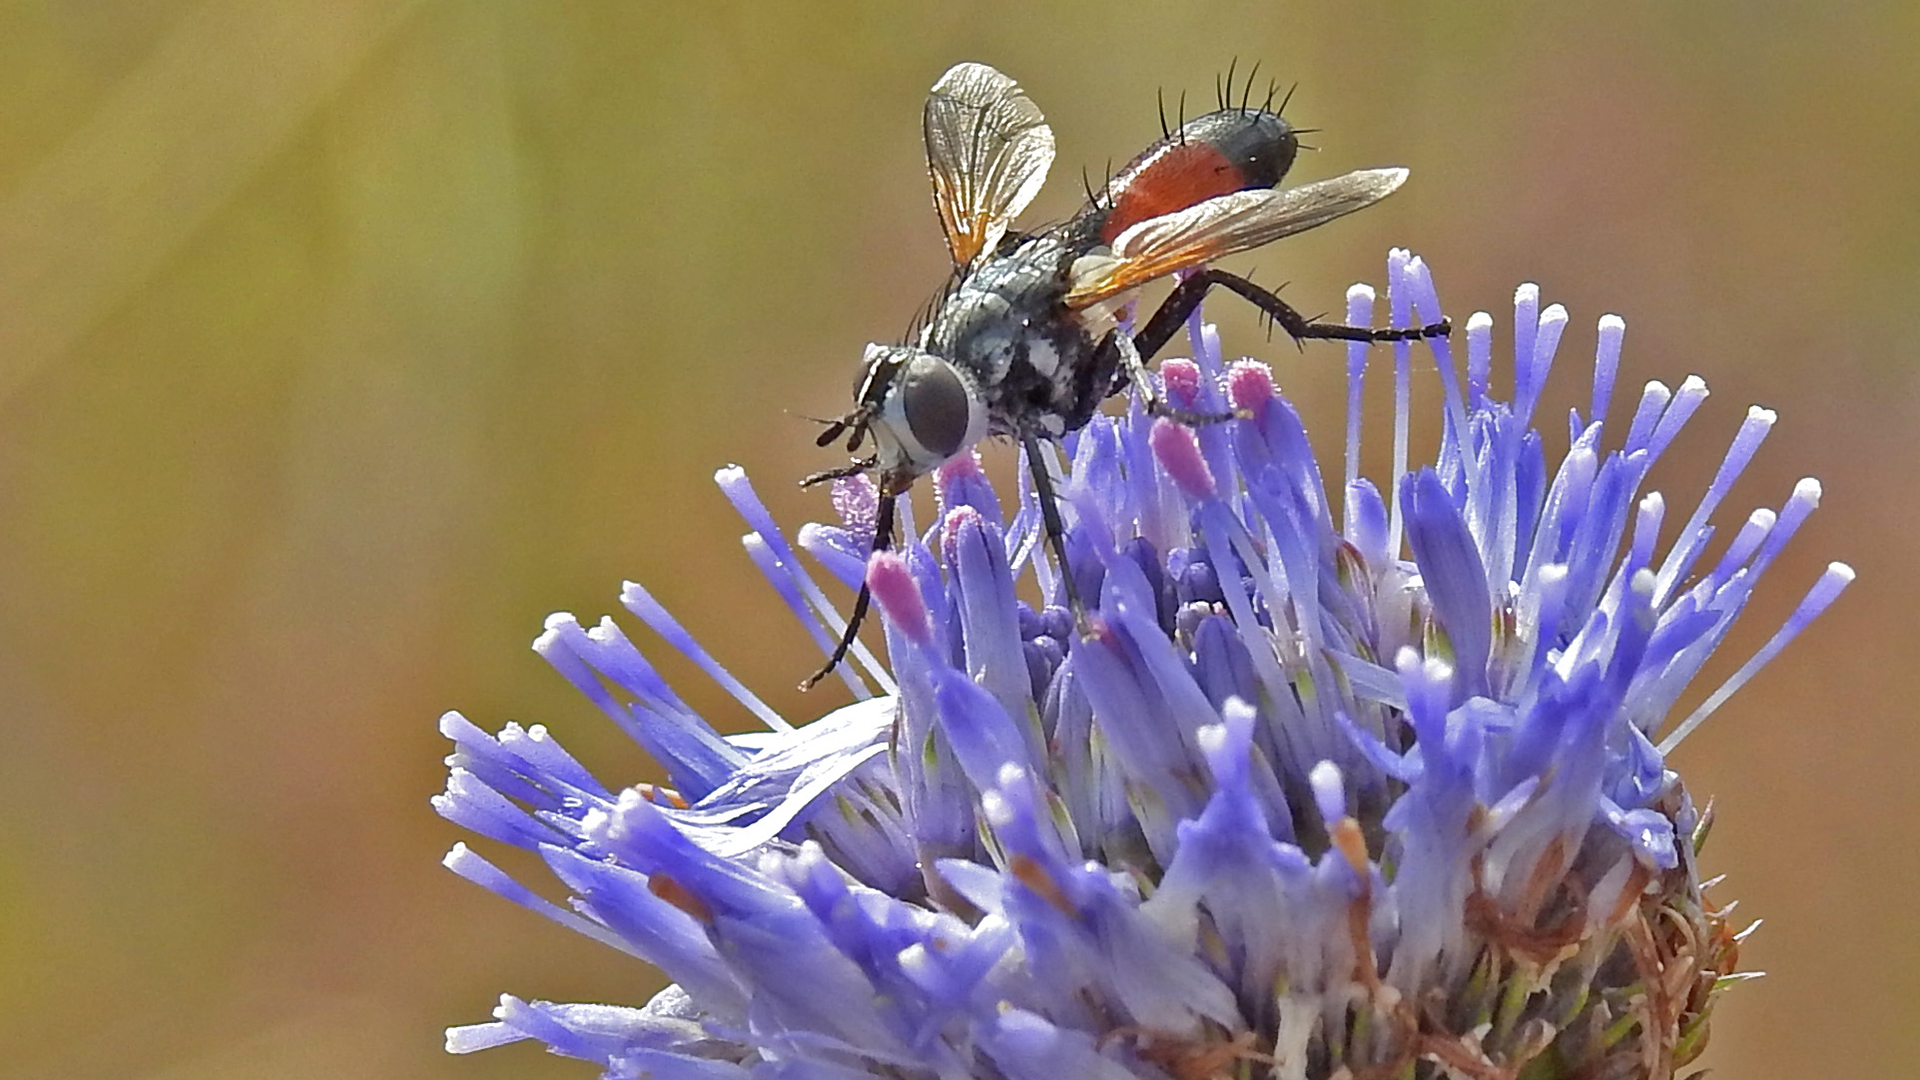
1185,1058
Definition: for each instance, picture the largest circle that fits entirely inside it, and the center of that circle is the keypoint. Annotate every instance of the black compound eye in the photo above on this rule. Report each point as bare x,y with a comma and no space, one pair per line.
937,405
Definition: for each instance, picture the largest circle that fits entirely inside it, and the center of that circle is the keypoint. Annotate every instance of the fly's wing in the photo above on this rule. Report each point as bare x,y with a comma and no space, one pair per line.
1221,226
988,149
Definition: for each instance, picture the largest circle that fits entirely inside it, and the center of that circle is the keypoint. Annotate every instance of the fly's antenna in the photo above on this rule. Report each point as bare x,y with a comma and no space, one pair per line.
1246,95
832,432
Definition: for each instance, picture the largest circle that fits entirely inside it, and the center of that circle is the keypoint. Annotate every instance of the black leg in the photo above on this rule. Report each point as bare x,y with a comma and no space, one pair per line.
864,465
882,540
1186,296
1056,529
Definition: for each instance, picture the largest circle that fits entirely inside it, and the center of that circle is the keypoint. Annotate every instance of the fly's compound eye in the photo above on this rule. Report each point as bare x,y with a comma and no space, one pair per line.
939,406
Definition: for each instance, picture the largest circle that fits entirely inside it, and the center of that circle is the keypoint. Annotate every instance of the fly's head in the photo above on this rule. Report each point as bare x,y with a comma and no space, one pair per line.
920,411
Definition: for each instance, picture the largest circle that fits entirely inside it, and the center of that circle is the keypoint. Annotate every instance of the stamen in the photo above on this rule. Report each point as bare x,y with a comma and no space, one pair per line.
1532,379
1479,357
1759,525
1746,443
1526,332
1359,313
1823,593
639,601
462,860
1686,401
1427,310
854,496
1181,381
1178,452
1400,314
1799,506
1646,528
1250,387
776,575
1329,793
1606,364
1646,416
899,596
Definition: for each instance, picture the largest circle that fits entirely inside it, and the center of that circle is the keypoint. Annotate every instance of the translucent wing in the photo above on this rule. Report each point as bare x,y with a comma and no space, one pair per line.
988,149
1221,226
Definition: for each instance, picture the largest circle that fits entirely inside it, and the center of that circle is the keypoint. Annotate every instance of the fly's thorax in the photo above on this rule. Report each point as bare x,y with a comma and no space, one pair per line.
922,411
1007,325
996,312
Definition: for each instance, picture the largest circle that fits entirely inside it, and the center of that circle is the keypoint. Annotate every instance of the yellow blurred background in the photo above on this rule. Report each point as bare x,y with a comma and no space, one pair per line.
342,340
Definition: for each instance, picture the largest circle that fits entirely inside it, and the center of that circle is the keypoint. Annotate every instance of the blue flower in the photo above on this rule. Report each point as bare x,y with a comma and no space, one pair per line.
1294,803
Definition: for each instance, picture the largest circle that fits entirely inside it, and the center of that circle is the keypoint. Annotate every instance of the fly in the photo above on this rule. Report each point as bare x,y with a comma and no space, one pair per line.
1026,341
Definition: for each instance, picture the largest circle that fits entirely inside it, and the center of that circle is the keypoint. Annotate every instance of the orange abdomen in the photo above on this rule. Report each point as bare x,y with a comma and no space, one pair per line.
1212,155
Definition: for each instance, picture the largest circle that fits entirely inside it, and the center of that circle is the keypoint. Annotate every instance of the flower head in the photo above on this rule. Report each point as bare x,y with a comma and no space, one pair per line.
1364,781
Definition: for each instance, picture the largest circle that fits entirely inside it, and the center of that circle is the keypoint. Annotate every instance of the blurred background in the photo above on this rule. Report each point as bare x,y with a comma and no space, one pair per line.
343,340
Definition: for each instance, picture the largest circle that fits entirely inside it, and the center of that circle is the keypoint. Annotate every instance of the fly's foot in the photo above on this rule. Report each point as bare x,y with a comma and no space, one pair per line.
1443,328
1160,407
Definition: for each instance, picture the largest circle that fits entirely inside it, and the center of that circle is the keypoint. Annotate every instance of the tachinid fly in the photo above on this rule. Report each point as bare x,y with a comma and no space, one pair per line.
1025,343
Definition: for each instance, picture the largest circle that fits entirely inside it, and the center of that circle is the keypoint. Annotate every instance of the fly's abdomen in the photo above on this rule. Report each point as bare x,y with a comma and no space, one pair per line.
1221,152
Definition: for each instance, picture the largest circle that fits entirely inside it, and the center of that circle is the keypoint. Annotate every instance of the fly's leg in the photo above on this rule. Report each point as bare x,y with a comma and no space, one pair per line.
882,540
864,465
1186,296
1133,367
1056,530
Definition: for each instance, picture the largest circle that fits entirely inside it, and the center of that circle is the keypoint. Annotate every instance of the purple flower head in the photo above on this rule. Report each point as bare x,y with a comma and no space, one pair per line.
1337,779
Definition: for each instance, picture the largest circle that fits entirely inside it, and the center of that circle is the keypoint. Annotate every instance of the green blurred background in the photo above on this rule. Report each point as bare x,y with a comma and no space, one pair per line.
341,341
